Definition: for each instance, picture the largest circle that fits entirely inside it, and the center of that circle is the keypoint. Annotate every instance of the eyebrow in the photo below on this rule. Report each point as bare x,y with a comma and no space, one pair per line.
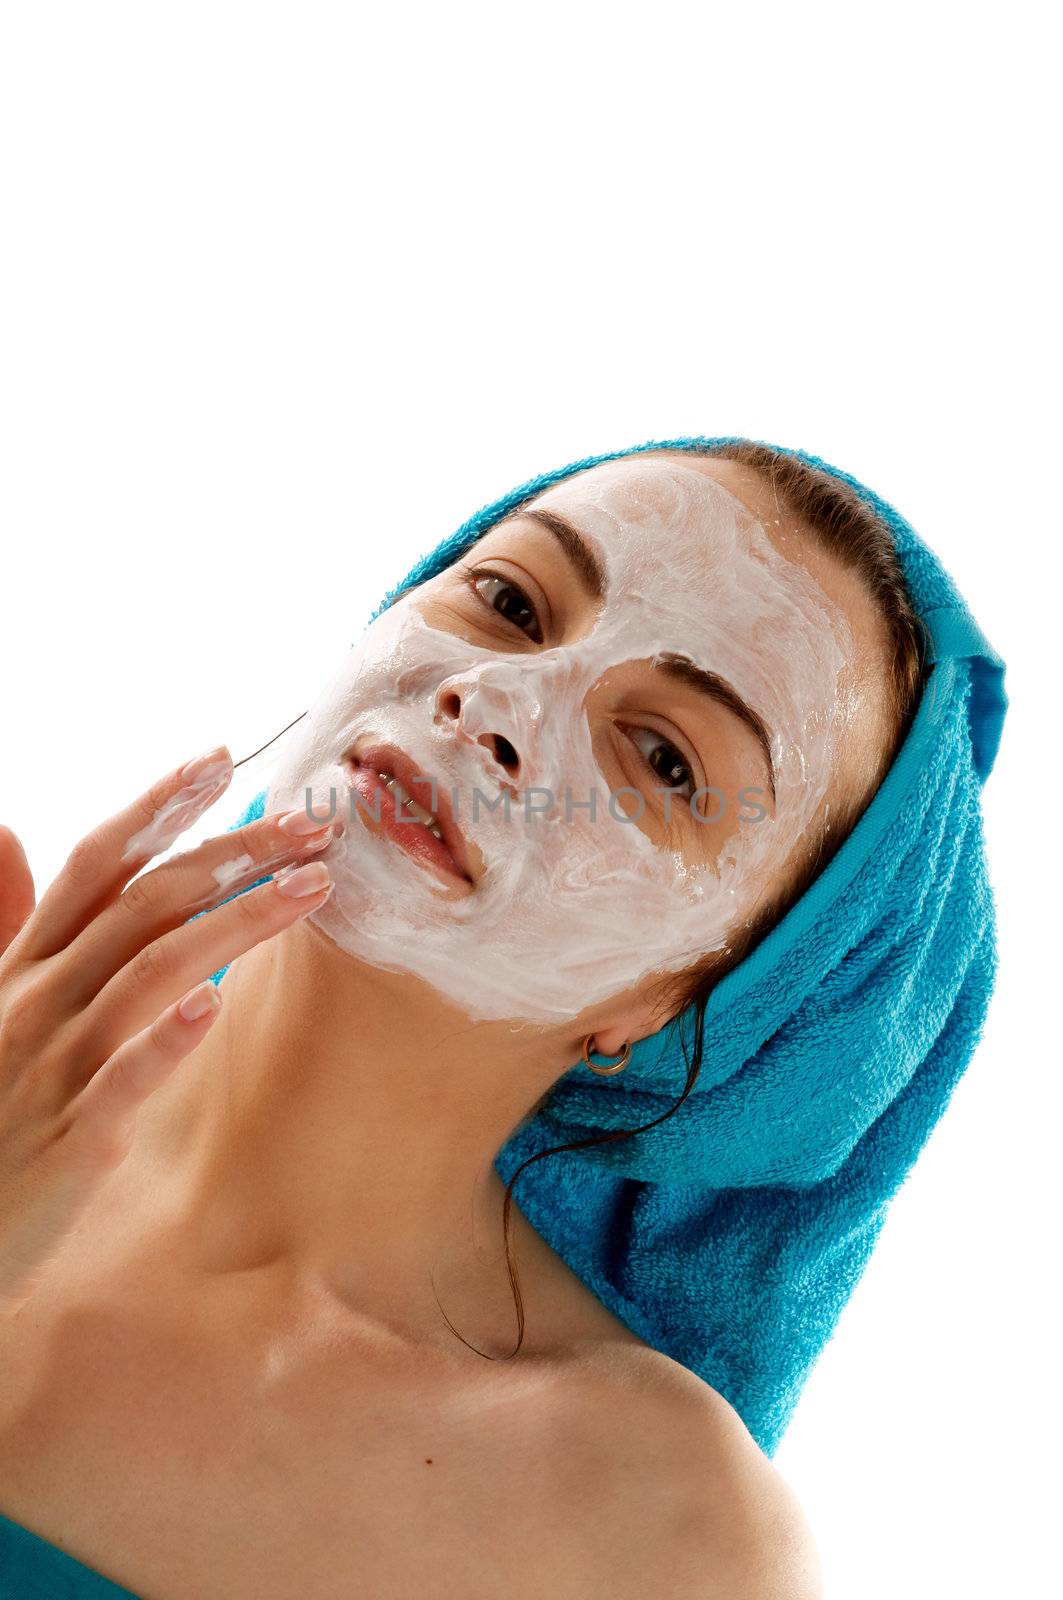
678,667
682,670
589,569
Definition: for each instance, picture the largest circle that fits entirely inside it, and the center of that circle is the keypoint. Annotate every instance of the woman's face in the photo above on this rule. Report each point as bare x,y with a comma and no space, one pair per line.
623,706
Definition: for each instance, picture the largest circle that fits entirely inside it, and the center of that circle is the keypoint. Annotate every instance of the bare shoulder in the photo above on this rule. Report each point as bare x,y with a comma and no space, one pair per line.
716,1517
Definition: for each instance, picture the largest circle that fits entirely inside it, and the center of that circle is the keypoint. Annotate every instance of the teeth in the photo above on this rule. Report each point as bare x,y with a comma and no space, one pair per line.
403,798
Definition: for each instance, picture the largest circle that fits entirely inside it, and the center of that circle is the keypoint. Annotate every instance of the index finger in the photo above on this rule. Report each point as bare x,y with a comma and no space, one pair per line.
103,861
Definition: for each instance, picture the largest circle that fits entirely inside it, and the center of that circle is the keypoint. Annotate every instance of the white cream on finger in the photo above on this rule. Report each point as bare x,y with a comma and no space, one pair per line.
181,810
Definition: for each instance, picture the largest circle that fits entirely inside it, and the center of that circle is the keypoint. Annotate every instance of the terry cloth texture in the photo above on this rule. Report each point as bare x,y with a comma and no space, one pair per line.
731,1236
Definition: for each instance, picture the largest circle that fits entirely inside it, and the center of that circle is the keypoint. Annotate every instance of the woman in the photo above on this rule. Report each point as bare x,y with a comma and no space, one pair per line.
690,732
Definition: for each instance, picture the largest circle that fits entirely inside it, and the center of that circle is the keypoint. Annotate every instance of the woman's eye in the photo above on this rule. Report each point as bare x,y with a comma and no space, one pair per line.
510,602
663,759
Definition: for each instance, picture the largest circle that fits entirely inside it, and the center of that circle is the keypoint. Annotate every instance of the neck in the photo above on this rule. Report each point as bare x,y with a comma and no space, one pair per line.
339,1125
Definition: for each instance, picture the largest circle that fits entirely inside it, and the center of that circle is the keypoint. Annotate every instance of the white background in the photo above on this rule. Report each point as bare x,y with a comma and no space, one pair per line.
288,292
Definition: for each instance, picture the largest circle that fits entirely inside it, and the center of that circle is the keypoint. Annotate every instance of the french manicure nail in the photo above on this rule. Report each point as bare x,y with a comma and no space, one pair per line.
212,772
298,881
319,844
198,1001
213,766
299,823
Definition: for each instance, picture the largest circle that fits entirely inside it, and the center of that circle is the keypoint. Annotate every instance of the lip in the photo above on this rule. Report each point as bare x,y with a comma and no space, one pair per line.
450,856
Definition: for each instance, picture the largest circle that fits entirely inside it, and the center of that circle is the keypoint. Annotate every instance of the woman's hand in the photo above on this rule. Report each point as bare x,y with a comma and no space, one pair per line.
102,991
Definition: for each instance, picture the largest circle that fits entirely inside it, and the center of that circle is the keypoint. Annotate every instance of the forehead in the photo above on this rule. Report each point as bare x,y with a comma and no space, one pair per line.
691,572
863,683
733,541
662,534
651,512
641,498
659,504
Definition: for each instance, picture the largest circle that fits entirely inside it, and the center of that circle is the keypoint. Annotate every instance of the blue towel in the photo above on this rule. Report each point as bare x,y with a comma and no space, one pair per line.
731,1236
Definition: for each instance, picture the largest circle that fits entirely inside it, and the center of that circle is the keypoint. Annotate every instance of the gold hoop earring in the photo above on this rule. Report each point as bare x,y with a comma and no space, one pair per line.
617,1066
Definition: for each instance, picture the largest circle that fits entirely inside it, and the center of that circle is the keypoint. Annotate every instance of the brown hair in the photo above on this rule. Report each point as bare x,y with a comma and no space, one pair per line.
849,530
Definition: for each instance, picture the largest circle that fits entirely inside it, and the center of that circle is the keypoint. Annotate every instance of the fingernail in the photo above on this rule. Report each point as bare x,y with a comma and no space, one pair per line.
211,767
297,881
204,779
299,823
319,844
198,1001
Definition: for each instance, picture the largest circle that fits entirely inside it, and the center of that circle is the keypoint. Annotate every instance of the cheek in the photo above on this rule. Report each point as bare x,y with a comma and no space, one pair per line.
399,658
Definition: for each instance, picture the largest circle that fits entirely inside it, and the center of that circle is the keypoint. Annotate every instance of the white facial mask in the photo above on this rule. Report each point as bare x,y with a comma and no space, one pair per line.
571,910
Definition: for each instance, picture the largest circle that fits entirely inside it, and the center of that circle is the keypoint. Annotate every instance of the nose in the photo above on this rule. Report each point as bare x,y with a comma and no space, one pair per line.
499,708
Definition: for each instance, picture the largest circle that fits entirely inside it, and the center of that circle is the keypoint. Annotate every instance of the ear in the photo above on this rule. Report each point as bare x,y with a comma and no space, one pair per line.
637,1022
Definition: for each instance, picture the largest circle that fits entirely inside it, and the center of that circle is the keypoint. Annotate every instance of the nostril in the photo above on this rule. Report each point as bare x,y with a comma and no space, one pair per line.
449,708
502,751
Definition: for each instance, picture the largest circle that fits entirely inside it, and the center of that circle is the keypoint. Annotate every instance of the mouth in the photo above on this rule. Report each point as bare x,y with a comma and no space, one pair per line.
390,784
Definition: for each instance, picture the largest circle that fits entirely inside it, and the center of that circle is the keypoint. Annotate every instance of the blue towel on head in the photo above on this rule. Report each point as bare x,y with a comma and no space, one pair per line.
731,1236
